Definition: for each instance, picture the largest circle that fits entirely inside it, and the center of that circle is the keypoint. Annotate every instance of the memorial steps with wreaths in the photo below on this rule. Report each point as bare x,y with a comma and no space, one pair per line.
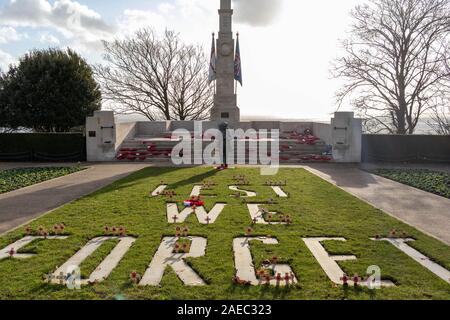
294,147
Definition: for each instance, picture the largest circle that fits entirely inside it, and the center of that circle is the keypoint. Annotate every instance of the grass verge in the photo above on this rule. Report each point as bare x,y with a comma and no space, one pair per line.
14,179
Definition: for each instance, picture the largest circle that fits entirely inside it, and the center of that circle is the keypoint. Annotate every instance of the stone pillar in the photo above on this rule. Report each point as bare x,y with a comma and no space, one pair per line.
346,136
101,136
225,101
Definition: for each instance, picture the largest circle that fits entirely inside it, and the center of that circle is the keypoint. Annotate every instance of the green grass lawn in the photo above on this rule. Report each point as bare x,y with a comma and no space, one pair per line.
14,179
318,209
426,180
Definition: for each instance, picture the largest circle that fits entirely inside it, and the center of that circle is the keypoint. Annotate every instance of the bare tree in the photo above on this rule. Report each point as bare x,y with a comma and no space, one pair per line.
161,78
394,62
440,120
440,117
192,96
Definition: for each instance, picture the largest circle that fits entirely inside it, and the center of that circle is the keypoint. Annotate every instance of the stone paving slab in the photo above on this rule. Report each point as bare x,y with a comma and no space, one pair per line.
19,244
426,262
248,194
165,257
425,211
106,266
245,268
20,206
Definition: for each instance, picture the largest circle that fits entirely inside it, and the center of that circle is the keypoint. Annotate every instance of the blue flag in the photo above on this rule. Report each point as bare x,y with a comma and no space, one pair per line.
237,63
212,63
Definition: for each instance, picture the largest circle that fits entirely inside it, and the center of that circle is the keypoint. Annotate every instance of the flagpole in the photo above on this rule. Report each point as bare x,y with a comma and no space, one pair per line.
235,81
212,65
214,44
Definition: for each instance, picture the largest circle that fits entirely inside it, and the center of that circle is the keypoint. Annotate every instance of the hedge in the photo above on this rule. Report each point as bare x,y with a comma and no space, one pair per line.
407,148
45,147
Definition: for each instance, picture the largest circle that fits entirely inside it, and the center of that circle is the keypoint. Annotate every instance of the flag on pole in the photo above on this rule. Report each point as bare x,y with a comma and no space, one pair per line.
212,63
237,63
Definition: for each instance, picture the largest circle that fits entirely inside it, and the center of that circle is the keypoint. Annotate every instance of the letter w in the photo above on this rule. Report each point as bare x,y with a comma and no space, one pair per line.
204,217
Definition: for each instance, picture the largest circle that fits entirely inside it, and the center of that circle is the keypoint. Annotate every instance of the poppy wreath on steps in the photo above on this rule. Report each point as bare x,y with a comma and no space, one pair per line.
315,158
142,155
165,152
285,147
311,140
121,156
151,147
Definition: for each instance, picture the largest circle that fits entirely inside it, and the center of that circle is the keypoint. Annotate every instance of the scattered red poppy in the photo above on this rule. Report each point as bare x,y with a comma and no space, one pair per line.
344,280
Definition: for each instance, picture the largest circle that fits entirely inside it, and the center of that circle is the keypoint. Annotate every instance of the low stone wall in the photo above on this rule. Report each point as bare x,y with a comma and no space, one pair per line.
124,132
151,128
411,148
322,130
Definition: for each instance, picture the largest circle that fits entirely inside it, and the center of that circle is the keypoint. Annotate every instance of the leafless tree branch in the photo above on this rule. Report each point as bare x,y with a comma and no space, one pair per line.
395,62
161,78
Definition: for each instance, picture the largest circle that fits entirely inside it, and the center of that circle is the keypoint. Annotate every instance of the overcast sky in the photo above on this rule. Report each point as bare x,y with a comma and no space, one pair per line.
286,45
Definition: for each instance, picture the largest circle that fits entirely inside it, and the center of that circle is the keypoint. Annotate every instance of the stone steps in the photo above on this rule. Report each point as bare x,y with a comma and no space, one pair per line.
158,149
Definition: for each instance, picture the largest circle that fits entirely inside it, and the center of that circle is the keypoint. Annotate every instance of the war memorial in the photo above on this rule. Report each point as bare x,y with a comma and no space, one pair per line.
339,141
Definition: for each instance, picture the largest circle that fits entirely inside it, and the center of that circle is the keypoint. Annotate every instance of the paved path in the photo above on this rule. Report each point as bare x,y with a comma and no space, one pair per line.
20,206
425,211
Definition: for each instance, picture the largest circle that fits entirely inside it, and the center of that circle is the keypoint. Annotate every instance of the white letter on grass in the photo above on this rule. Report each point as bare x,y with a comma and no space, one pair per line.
328,262
105,267
257,214
165,257
200,212
16,246
245,269
401,244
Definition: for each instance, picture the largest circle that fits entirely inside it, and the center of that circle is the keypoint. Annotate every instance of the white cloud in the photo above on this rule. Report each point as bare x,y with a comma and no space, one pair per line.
166,7
70,18
5,60
133,20
257,12
26,13
48,38
9,34
76,20
189,17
